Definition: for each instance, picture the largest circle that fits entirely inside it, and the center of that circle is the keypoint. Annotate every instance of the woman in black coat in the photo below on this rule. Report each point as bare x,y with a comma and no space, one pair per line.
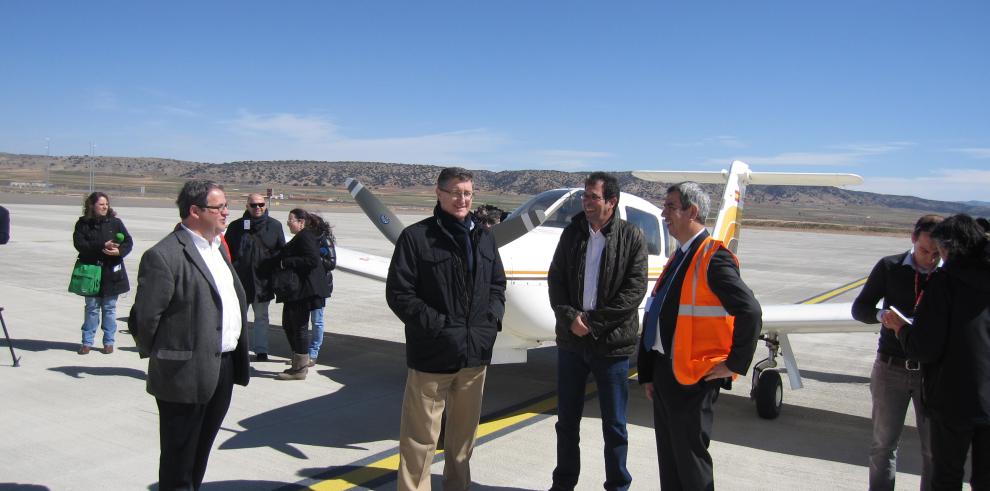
100,238
950,335
301,257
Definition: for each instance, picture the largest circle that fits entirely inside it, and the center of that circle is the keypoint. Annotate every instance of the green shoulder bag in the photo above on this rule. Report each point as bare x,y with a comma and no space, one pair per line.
85,279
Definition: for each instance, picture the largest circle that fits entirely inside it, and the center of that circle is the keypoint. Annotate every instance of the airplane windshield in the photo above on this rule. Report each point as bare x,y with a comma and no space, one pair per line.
562,216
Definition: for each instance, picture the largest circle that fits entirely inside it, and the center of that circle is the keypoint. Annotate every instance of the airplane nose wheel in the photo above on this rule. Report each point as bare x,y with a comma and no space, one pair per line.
768,388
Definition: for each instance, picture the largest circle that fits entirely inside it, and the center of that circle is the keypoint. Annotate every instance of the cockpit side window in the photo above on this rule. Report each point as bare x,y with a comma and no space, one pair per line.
562,217
539,202
650,226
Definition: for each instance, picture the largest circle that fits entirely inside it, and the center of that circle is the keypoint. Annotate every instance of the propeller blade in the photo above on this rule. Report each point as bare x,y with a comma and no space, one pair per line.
517,226
388,224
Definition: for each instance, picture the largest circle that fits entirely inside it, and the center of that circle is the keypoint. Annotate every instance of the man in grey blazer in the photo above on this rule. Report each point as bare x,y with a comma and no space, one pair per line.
188,317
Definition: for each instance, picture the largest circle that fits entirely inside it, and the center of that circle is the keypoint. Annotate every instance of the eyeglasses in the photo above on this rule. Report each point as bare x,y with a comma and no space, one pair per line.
256,205
220,207
466,195
591,197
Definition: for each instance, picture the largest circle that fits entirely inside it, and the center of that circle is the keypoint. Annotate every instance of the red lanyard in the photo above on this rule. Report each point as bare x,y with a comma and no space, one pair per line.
918,290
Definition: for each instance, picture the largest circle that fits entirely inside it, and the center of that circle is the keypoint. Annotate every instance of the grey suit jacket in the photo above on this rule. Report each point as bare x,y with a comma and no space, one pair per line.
176,321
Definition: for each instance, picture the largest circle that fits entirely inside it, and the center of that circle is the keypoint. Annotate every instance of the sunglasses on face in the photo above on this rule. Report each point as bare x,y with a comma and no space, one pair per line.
256,205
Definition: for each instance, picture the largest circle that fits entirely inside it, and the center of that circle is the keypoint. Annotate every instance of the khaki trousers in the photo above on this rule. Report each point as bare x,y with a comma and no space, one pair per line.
423,404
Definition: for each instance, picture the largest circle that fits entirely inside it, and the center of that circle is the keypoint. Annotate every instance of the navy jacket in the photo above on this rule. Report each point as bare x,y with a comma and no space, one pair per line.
88,238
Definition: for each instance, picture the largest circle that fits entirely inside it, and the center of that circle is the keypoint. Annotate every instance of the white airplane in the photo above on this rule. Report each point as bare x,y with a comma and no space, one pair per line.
529,236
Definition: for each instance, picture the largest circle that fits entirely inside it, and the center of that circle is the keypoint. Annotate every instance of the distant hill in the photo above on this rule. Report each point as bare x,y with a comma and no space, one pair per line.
391,176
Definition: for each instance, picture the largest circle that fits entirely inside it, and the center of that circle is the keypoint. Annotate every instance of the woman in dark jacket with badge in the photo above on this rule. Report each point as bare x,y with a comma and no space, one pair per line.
300,283
100,238
950,336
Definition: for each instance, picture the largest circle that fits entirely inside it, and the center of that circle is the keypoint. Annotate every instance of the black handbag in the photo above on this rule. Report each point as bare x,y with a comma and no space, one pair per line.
286,284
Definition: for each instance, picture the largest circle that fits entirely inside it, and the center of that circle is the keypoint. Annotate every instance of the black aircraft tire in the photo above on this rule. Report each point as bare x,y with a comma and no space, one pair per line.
769,394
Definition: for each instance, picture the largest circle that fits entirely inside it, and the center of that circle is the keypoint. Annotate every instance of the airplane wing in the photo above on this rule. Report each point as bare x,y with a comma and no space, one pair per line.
815,318
362,264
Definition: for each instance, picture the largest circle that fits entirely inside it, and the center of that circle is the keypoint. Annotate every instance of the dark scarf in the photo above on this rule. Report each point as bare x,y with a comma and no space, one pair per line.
247,240
461,231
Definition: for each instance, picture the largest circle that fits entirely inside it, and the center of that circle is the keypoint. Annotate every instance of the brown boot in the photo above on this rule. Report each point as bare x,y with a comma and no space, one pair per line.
299,368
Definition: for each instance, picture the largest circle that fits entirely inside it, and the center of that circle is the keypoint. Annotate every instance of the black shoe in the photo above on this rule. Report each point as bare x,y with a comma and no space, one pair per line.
261,357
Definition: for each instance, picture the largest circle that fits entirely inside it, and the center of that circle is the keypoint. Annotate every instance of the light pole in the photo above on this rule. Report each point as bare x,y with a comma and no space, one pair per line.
48,164
92,152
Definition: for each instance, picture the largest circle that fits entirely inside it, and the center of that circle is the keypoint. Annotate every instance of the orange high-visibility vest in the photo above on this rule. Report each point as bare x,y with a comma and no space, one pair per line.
703,333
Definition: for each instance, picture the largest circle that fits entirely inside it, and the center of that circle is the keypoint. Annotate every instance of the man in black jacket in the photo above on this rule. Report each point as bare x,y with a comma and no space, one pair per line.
253,239
597,280
447,285
899,280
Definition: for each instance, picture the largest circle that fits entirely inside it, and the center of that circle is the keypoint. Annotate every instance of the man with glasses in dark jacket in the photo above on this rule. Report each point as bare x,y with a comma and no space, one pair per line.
597,280
253,239
447,285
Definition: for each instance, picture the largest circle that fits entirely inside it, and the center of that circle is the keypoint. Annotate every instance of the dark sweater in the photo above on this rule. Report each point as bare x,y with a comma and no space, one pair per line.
894,282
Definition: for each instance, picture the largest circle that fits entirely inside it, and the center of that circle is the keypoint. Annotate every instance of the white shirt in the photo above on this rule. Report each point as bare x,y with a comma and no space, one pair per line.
685,247
224,280
592,265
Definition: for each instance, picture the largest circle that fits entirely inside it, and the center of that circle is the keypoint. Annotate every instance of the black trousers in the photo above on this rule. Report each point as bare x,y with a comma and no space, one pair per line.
951,441
682,421
295,322
187,432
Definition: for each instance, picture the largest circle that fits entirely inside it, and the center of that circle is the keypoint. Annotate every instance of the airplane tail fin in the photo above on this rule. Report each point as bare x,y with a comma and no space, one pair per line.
739,175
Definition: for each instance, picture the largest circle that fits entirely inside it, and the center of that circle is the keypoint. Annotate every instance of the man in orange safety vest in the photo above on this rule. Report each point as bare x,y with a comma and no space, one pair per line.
700,330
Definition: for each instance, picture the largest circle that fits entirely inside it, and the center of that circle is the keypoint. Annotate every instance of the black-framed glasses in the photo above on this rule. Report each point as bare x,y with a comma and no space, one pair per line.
592,197
220,207
454,194
256,205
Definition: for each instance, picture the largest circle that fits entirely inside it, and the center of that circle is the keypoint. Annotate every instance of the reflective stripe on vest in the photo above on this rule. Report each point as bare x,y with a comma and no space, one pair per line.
703,334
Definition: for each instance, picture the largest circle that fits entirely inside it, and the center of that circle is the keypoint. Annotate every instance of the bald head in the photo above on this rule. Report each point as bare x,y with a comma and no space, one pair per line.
256,205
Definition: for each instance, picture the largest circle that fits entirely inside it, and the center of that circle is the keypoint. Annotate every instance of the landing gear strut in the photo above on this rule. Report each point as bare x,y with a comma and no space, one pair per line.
768,389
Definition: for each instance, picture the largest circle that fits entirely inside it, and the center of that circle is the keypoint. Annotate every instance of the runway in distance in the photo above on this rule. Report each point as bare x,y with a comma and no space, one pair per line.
529,236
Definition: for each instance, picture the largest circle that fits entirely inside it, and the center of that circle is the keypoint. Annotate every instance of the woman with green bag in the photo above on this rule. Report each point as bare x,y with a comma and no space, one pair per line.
100,238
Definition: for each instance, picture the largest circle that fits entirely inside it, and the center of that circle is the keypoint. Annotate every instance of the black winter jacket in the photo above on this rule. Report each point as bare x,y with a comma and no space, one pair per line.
951,337
614,323
88,238
250,248
451,320
302,254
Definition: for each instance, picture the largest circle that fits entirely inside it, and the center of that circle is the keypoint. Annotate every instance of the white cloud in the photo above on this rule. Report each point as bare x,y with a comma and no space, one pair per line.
178,111
298,128
941,184
848,155
104,100
974,152
721,141
570,160
287,136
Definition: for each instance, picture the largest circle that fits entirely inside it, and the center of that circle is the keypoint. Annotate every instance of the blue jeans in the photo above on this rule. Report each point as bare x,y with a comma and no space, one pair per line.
892,388
91,319
611,375
316,317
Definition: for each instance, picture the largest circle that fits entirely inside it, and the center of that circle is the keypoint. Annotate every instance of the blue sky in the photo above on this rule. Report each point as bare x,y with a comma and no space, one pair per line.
896,91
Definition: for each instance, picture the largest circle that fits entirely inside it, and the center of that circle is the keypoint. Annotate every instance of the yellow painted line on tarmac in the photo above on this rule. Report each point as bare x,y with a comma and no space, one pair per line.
835,293
384,466
390,464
